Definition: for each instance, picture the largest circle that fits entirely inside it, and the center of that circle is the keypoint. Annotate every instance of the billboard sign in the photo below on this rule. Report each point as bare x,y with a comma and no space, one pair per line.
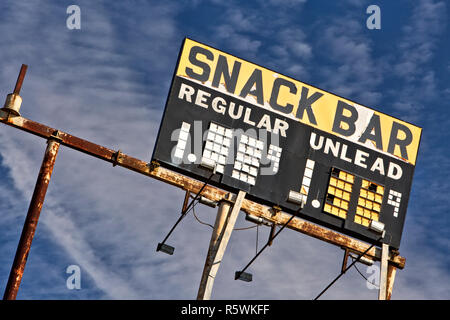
284,141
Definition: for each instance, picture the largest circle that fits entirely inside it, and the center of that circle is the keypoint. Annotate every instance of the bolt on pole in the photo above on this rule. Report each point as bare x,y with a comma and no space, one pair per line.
31,221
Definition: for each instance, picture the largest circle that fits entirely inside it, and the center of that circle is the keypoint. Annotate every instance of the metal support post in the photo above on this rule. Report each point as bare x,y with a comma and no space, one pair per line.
186,183
186,201
383,272
390,280
223,227
9,115
31,221
345,260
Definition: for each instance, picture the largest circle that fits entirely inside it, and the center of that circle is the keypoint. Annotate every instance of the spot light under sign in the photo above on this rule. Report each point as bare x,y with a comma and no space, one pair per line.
296,197
165,248
363,260
206,201
257,220
244,276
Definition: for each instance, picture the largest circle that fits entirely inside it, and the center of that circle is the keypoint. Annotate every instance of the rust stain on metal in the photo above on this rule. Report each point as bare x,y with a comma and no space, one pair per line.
19,82
189,184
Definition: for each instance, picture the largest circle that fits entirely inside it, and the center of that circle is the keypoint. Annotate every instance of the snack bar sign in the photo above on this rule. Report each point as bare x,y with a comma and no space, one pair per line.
285,142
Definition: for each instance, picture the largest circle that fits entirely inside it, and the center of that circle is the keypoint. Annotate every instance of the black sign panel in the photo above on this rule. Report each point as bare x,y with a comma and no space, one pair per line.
278,160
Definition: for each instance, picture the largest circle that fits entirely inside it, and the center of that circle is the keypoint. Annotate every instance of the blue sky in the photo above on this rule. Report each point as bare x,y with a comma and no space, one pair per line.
108,83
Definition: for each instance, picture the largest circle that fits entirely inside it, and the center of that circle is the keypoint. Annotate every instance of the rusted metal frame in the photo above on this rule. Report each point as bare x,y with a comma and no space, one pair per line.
194,186
345,260
343,272
185,211
382,292
186,201
273,229
390,280
205,288
321,233
31,221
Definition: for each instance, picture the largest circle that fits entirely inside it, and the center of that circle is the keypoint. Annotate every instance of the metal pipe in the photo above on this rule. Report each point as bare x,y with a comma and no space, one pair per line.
382,292
194,186
31,221
19,82
186,201
224,226
344,261
206,282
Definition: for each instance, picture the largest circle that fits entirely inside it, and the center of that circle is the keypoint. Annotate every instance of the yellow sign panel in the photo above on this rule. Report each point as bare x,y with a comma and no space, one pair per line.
299,101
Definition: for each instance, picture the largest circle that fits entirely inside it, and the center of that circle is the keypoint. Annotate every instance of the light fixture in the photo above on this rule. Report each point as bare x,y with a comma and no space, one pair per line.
363,260
257,220
206,201
244,276
296,197
165,248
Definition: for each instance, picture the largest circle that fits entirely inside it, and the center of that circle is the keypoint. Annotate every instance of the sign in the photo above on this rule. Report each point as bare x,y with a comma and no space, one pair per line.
284,141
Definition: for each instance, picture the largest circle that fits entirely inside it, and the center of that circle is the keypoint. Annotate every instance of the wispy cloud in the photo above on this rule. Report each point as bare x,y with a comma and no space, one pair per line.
358,73
108,83
416,51
85,83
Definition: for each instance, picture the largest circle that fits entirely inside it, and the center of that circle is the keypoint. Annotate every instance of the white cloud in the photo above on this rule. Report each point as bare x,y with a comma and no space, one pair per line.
420,38
288,3
359,73
84,84
108,84
420,41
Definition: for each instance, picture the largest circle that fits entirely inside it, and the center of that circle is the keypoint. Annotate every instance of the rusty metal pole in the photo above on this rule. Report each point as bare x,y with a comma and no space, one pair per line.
223,228
382,293
204,291
31,220
20,78
390,280
194,186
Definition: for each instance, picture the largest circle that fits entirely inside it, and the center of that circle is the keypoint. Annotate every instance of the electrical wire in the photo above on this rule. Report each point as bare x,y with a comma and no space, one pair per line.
351,265
185,211
200,221
364,276
245,228
238,273
207,224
